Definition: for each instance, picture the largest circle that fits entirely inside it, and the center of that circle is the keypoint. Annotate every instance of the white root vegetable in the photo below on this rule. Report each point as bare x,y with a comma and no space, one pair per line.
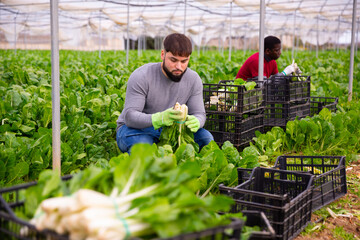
88,214
114,228
91,198
184,112
46,221
60,204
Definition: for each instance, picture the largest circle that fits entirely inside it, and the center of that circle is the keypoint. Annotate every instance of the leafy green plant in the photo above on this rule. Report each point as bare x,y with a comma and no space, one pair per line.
148,183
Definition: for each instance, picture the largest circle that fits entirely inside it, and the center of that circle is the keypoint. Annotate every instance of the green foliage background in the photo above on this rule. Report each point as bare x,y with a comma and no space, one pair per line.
92,92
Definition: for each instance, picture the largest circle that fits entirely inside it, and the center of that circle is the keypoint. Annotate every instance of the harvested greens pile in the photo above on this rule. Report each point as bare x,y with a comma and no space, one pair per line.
151,193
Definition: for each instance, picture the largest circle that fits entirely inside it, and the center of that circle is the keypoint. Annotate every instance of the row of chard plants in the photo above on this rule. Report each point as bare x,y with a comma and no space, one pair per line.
92,97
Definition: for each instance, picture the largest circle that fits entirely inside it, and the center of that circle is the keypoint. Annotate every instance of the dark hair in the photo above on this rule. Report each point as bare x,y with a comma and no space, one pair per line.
178,44
270,42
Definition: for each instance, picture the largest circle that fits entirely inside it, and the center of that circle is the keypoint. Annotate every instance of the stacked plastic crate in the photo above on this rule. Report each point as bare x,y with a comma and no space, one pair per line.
265,190
285,197
329,175
233,113
286,98
318,103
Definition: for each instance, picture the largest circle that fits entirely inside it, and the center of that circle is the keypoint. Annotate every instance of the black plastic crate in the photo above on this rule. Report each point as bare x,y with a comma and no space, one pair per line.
227,97
237,128
329,171
278,114
284,196
244,174
280,89
318,103
12,227
257,218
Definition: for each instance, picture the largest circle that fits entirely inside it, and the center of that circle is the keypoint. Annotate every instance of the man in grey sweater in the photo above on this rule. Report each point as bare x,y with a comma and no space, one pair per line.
152,91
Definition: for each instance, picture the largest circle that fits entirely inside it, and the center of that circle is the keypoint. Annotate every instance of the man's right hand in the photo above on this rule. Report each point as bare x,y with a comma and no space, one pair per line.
165,118
288,70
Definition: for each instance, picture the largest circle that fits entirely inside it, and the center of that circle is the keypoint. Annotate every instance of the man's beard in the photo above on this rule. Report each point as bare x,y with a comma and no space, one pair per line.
174,78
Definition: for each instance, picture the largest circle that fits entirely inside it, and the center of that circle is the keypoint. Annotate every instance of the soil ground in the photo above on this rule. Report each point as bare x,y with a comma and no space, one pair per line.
345,223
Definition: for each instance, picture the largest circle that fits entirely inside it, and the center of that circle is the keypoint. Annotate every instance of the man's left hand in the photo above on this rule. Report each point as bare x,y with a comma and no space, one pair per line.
192,123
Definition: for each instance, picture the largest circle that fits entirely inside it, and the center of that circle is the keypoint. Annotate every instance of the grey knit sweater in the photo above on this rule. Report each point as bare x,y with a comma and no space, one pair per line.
150,91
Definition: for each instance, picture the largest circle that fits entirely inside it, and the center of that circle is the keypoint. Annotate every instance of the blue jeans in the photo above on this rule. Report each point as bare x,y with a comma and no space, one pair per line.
126,137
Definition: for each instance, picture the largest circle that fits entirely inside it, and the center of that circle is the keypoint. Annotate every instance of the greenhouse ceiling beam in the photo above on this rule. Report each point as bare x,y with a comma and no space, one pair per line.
56,142
351,71
127,34
294,29
100,34
15,35
184,17
261,41
231,5
143,5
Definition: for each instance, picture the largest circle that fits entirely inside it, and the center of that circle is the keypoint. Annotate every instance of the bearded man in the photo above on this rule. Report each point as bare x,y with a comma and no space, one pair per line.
152,91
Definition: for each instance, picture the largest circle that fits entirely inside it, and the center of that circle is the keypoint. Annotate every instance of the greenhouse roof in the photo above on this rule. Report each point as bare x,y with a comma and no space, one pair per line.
314,21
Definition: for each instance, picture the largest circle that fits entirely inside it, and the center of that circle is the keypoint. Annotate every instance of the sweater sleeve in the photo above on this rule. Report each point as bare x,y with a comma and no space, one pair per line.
196,103
135,101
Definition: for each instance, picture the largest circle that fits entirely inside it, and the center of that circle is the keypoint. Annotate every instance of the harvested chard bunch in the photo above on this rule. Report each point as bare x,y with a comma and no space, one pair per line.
151,197
178,133
184,112
88,214
298,72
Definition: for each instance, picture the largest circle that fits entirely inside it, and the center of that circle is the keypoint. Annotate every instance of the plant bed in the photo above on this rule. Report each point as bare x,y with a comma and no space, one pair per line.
329,171
285,197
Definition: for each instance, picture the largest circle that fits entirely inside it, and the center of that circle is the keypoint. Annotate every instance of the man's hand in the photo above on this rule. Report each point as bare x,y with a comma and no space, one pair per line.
192,123
165,118
288,70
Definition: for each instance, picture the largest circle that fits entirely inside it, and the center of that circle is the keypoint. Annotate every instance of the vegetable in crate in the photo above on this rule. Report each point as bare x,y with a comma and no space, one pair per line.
150,197
180,132
225,97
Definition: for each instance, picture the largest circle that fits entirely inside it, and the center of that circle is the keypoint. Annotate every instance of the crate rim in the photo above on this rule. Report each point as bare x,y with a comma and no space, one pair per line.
334,169
255,193
340,165
311,180
27,185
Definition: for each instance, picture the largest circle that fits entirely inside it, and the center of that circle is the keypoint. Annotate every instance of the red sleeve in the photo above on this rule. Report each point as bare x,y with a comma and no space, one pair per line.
238,75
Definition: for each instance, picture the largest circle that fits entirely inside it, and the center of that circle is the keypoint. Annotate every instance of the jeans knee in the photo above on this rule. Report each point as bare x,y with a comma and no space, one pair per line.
127,137
203,137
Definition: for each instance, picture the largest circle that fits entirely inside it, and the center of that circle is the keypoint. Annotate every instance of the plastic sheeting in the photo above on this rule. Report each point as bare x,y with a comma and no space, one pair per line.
315,22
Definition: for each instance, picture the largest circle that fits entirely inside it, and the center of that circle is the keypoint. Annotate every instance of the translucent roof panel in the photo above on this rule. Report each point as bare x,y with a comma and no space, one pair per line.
201,20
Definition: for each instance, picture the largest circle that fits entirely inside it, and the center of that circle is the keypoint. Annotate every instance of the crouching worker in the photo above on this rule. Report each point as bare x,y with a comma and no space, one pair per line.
152,91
